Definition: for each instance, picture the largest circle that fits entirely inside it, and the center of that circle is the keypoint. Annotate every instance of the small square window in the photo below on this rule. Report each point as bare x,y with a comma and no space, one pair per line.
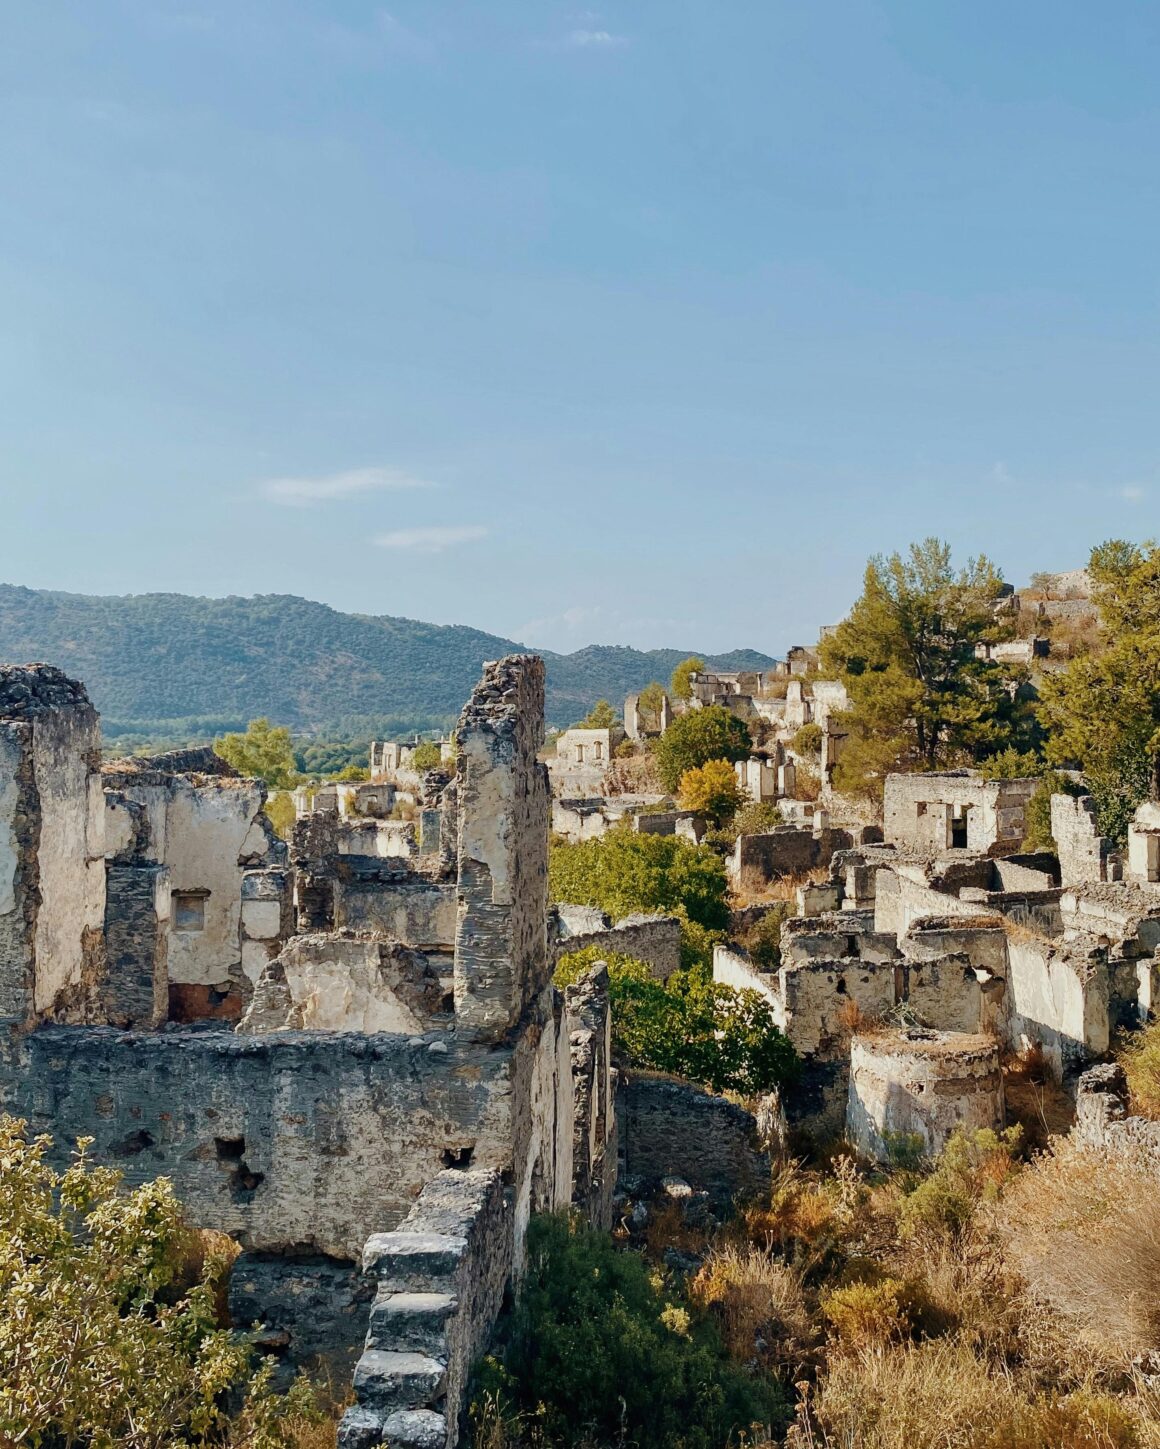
189,910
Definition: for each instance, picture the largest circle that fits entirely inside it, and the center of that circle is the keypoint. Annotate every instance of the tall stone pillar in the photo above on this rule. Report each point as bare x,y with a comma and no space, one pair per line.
52,834
501,951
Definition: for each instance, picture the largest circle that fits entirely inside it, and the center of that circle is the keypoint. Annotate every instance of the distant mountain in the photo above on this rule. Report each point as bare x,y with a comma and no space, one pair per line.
151,657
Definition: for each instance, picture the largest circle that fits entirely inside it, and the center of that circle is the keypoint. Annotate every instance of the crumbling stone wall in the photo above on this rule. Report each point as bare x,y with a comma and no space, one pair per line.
501,956
1103,1122
135,988
948,809
653,939
301,1140
1085,856
785,850
52,874
594,1155
670,1128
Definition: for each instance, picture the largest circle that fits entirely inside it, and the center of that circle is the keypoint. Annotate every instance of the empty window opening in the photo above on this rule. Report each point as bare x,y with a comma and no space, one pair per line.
189,910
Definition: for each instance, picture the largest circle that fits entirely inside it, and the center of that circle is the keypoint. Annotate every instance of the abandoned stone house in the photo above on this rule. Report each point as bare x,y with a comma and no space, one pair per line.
355,1064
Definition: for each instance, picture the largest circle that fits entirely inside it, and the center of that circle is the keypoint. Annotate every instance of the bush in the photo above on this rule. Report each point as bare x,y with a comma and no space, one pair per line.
623,872
594,1352
1037,816
807,740
866,1315
427,756
102,1342
763,939
281,814
690,1026
757,1303
972,1168
1141,1061
697,737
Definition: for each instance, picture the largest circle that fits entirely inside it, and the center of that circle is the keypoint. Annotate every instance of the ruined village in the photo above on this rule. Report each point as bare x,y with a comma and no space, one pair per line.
379,1050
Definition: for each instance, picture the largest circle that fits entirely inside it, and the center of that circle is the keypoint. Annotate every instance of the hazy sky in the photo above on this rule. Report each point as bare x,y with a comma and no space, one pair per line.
643,324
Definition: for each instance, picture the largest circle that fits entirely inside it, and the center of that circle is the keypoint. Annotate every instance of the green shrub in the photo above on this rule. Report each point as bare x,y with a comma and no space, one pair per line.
623,872
763,938
103,1340
972,1169
807,740
594,1352
427,756
690,1025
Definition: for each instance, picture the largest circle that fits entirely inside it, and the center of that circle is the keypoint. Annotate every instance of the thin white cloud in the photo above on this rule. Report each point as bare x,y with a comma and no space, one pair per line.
594,40
1001,474
306,492
1133,493
430,540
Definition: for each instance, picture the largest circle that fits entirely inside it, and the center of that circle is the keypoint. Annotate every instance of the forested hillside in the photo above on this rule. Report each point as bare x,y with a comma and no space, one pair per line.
163,657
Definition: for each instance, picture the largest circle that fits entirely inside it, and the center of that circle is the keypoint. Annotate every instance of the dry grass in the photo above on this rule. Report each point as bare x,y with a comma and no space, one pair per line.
784,888
759,1305
938,1393
1035,1100
1141,1061
1084,1231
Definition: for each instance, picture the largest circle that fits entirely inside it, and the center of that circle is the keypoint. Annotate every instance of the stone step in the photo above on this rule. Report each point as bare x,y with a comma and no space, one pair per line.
414,1321
413,1262
385,1381
416,1429
361,1429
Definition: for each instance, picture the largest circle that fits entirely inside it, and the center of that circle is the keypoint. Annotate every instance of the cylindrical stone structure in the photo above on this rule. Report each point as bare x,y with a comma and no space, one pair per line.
910,1088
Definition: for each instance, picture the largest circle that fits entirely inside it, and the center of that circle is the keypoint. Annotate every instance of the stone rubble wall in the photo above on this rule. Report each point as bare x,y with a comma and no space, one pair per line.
588,1021
653,939
441,1279
670,1128
1103,1122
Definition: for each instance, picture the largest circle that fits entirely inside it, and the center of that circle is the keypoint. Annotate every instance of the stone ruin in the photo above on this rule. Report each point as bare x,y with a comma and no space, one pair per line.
911,947
357,1066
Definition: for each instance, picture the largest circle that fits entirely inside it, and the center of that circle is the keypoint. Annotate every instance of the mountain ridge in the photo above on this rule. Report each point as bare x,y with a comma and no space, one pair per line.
168,656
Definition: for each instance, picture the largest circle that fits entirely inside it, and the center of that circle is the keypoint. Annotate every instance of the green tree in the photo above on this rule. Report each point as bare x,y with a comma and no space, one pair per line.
1102,712
281,814
263,752
597,1351
353,774
427,756
108,1337
601,716
691,1025
712,789
650,704
623,872
807,740
695,738
680,686
921,697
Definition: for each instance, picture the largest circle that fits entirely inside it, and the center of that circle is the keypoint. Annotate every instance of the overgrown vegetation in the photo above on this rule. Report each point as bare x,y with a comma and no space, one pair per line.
623,872
599,1351
690,1025
109,1325
695,738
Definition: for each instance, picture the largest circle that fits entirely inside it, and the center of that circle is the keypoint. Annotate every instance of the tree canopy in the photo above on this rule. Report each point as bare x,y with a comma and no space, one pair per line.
696,737
601,716
264,752
1102,712
680,685
922,693
650,703
712,789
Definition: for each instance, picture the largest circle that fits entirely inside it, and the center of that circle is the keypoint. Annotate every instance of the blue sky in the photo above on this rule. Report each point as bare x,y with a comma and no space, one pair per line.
643,324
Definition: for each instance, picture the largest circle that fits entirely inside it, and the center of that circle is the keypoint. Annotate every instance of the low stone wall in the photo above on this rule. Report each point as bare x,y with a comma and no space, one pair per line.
786,850
1102,1120
441,1279
298,1141
653,939
670,1128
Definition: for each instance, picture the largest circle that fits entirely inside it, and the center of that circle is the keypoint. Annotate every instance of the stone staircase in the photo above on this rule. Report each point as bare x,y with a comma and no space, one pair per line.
419,1341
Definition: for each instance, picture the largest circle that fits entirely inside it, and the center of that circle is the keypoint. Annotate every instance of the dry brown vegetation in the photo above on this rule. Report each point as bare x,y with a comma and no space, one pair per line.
993,1303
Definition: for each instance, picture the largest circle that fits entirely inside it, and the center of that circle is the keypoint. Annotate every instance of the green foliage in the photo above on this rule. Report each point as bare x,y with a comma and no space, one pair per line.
595,1352
920,698
1037,816
807,740
679,684
1012,764
972,1169
713,790
1103,711
623,872
758,817
690,1026
102,1342
263,752
427,756
601,716
763,939
1141,1061
650,703
695,738
281,814
353,774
